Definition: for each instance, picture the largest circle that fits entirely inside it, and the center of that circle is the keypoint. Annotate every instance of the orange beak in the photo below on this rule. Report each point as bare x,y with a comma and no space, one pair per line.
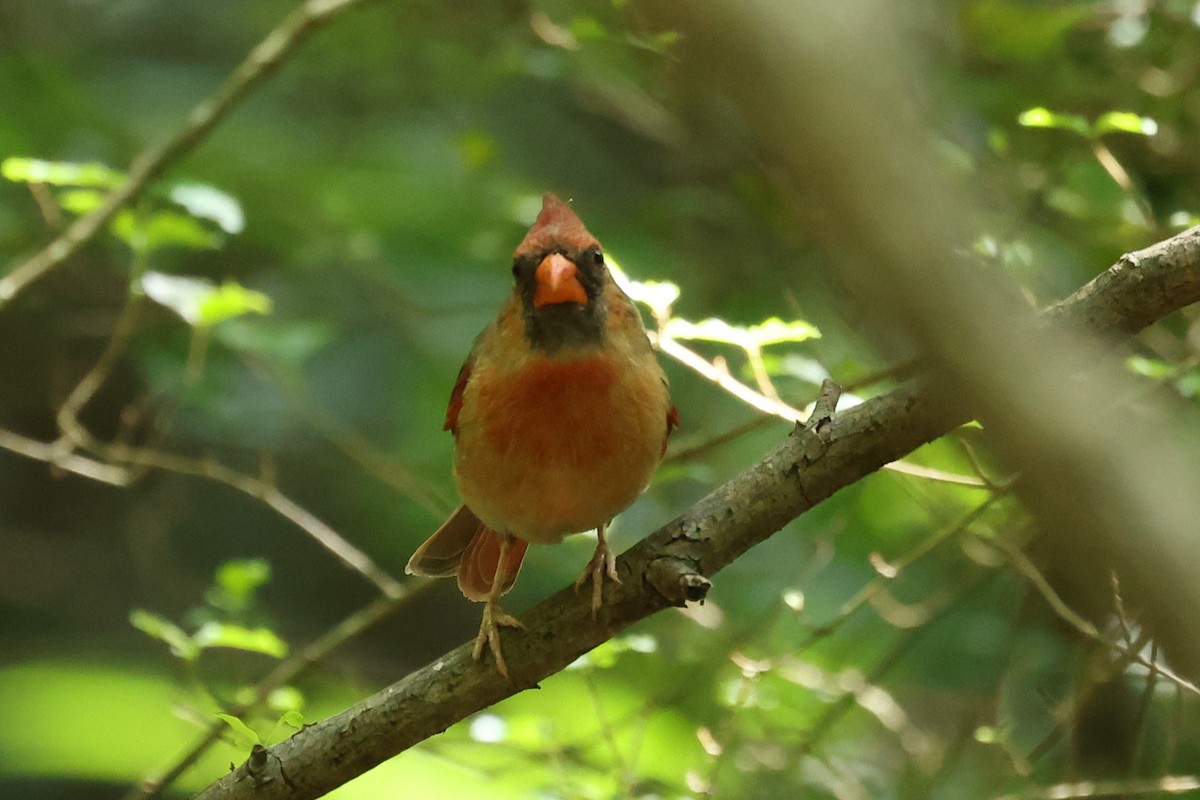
558,282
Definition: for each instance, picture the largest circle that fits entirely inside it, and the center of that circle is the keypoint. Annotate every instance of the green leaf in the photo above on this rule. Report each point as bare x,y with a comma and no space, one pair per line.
293,719
1149,367
286,698
584,28
238,637
162,229
80,201
1125,122
243,736
771,331
199,302
775,331
241,578
231,300
209,202
1045,118
164,630
60,173
659,296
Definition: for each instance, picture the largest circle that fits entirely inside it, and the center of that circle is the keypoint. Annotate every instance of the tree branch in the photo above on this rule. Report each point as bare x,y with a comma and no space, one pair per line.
261,63
808,467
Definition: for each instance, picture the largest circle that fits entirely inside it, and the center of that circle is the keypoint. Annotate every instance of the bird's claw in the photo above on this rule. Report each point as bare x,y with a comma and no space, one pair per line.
489,633
602,565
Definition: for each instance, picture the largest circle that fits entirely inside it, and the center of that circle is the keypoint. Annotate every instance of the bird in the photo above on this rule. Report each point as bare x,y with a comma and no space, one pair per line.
560,415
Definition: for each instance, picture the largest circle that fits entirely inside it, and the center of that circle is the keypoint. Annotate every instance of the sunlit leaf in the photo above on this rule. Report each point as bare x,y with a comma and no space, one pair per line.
286,698
237,637
209,202
293,719
199,302
60,173
1149,367
244,737
1188,385
1183,219
162,229
1126,122
1045,118
241,578
772,331
232,300
659,296
777,331
164,630
80,201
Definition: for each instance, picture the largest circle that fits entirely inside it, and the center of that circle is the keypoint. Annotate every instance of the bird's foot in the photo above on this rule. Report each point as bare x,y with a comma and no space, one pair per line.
489,633
603,565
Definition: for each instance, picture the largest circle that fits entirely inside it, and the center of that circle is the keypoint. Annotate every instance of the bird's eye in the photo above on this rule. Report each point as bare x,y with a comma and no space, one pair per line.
516,269
597,256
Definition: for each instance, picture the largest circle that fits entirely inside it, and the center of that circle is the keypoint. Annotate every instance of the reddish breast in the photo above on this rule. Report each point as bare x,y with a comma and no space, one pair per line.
557,414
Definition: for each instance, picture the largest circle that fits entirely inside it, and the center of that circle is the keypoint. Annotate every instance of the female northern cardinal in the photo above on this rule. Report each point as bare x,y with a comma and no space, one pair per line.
560,415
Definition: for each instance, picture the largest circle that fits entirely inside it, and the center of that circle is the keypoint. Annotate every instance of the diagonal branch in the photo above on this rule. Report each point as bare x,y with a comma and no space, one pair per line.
260,63
808,467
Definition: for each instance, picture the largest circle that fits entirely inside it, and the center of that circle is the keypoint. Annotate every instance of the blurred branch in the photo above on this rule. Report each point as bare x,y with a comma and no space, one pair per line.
354,446
54,455
264,491
261,63
808,467
884,202
75,435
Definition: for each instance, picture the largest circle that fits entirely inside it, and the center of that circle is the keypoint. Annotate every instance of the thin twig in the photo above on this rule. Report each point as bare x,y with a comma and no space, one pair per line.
262,62
73,432
723,378
65,460
353,444
286,671
269,495
834,712
1032,574
936,475
877,585
76,436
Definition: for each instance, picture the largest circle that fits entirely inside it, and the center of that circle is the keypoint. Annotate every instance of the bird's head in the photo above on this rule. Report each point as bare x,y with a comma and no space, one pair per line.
560,280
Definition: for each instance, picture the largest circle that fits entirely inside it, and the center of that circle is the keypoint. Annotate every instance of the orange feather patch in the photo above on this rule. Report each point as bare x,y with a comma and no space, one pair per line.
557,413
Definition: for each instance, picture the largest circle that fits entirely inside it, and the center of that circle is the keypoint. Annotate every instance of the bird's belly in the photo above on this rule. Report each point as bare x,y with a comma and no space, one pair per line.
558,448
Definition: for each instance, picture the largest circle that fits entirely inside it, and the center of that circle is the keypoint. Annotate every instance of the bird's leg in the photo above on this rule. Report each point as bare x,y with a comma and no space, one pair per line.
493,615
602,565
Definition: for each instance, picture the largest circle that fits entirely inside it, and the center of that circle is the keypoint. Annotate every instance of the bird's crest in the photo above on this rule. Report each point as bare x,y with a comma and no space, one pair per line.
556,226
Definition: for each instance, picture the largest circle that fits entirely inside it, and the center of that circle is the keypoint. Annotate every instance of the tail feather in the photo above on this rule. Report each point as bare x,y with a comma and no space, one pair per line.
441,553
477,570
463,545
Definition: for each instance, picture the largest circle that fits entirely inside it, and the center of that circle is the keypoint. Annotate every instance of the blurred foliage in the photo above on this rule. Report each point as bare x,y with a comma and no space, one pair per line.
317,268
